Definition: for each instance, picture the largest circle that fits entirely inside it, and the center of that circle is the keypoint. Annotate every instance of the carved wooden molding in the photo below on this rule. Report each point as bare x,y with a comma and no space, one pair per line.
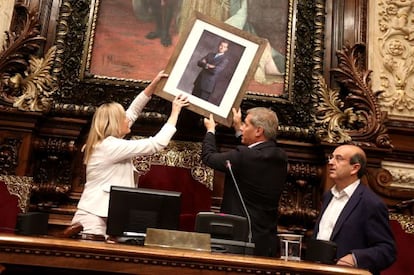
26,80
382,182
298,208
298,205
181,154
36,85
53,167
353,115
402,174
9,151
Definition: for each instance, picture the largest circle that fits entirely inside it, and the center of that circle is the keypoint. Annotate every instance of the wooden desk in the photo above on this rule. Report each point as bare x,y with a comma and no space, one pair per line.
121,258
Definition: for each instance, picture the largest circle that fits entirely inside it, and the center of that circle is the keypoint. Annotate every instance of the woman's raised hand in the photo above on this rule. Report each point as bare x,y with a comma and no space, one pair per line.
179,102
150,89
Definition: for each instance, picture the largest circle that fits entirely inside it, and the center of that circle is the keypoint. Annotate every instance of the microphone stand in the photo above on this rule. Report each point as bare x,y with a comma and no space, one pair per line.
228,164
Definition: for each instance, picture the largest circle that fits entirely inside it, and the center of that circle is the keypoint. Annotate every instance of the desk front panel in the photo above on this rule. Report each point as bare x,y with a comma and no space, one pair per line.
128,259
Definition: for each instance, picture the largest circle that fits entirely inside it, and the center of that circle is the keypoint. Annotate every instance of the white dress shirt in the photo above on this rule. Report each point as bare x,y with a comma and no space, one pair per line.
334,209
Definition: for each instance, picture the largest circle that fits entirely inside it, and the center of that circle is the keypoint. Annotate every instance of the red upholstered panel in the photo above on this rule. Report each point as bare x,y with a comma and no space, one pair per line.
9,208
195,196
405,243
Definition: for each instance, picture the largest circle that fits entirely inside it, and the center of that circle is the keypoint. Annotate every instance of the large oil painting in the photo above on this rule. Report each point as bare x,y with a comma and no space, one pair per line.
131,40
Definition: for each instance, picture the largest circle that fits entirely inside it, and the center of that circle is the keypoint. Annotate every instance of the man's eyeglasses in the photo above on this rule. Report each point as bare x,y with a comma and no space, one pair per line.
337,158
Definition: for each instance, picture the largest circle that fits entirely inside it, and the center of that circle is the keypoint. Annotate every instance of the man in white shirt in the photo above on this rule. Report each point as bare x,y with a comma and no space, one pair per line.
353,216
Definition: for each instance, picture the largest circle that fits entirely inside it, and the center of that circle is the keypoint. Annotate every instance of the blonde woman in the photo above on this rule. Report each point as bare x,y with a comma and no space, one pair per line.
108,157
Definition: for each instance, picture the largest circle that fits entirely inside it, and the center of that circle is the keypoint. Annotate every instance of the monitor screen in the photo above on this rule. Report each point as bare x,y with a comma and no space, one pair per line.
133,210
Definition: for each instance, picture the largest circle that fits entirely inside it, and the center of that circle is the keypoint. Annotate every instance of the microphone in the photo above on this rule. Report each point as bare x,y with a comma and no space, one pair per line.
228,166
407,201
403,204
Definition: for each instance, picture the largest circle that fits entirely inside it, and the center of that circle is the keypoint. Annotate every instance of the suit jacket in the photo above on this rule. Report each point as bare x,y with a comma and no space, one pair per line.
363,229
260,173
207,78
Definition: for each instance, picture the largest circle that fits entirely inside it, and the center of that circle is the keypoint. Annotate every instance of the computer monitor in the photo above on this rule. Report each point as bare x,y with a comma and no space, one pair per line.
133,210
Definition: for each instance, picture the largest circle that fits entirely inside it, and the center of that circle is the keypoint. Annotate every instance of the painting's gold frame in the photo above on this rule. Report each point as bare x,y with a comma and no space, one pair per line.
81,90
182,58
88,75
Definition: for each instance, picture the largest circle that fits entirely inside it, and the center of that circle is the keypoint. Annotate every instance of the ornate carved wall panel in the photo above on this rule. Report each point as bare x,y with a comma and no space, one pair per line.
392,58
353,113
16,137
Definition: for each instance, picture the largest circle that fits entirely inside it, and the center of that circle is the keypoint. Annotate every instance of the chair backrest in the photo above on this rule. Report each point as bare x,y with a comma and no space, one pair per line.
403,229
179,168
222,226
14,199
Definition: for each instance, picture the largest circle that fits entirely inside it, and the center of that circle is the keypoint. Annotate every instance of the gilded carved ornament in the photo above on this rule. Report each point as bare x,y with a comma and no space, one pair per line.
395,44
21,187
181,154
406,222
331,121
25,79
36,85
352,113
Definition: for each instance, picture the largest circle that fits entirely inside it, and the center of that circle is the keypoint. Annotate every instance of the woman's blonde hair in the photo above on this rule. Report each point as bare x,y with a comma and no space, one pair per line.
105,122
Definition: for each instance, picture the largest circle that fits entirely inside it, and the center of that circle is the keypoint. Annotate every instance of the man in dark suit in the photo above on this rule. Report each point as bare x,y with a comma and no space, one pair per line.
260,170
212,66
353,216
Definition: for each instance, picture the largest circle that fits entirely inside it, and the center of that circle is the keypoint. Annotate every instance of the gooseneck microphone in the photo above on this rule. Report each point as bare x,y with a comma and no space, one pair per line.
228,165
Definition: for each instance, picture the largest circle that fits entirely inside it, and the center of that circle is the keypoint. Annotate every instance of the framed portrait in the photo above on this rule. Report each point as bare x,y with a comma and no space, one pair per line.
212,64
